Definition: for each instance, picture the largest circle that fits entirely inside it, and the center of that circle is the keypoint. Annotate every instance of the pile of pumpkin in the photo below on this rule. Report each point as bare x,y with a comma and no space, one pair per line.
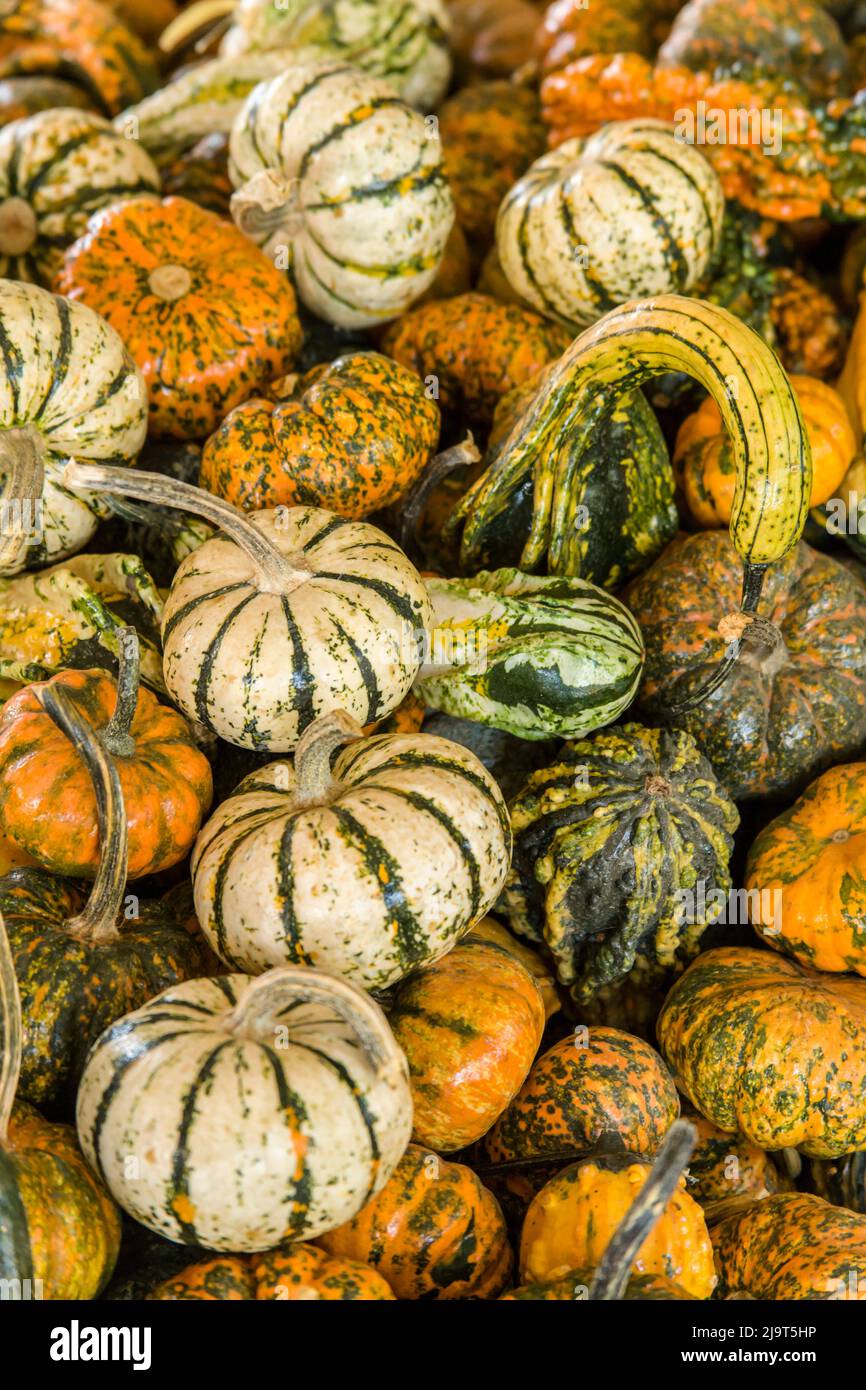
432,649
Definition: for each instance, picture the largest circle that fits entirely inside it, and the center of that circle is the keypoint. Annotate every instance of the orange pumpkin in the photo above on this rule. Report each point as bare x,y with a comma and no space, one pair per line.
806,874
488,929
704,464
206,315
295,1273
810,338
47,799
470,1025
573,1218
790,1247
573,29
726,1167
351,436
433,1232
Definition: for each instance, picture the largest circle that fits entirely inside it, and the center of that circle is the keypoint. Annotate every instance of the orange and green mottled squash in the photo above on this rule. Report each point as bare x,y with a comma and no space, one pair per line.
792,1246
292,1274
770,1050
147,18
81,41
810,338
81,964
572,29
794,698
48,803
299,1075
704,464
27,96
56,169
474,350
200,174
488,929
794,37
806,874
490,134
58,1225
207,317
433,1232
571,1221
574,1287
609,845
491,38
470,1026
353,435
726,1166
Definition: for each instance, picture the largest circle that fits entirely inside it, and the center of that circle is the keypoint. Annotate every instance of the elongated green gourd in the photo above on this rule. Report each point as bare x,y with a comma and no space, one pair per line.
628,346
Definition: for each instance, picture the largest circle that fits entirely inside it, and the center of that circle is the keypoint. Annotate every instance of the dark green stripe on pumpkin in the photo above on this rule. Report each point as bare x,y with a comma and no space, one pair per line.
675,261
428,807
409,938
205,674
367,1116
179,1167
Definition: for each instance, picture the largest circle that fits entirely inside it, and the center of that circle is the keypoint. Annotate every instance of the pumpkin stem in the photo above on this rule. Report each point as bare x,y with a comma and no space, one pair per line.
10,1038
21,465
614,1268
116,736
316,746
269,1003
97,922
268,203
195,27
438,467
277,573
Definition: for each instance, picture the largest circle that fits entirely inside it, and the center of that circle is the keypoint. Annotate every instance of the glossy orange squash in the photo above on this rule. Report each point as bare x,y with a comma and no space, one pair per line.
351,436
488,929
433,1232
294,1273
205,314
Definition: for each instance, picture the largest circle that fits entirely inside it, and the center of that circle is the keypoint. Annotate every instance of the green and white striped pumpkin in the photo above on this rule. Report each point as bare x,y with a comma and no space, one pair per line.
535,656
405,41
289,614
56,168
368,872
335,171
235,1114
68,388
631,211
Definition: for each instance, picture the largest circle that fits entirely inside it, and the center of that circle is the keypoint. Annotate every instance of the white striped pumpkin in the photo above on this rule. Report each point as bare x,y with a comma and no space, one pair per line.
335,171
369,873
56,168
68,388
236,1114
405,41
632,211
287,615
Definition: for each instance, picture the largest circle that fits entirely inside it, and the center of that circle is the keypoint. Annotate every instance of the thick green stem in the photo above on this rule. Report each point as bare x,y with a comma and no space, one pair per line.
116,736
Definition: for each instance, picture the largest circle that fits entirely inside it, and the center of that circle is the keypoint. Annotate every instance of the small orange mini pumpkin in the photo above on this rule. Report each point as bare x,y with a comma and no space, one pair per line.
206,315
294,1273
351,436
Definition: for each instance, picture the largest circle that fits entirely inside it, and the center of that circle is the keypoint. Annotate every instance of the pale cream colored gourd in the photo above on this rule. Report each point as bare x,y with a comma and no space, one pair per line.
632,211
235,1114
370,871
340,178
68,388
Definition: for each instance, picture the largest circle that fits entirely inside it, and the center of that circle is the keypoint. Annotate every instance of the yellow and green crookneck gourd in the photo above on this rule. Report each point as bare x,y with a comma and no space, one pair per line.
533,655
333,169
259,1110
620,352
81,964
621,857
59,1229
68,388
632,211
287,615
56,168
368,871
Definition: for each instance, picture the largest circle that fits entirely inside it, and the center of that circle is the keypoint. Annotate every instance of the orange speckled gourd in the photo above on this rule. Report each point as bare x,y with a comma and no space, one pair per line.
290,1274
792,1246
574,1285
490,134
205,314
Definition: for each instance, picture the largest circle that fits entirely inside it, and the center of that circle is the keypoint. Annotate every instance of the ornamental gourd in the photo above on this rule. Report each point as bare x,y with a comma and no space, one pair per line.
56,168
332,166
632,211
618,354
433,1231
352,435
81,964
369,870
726,1167
68,386
206,316
47,799
622,851
285,616
792,1246
530,654
770,1050
806,874
294,1273
470,1025
296,1072
59,1226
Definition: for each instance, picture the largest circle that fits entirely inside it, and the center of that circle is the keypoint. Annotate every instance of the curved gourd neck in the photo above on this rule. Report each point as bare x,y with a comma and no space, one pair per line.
22,454
276,573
